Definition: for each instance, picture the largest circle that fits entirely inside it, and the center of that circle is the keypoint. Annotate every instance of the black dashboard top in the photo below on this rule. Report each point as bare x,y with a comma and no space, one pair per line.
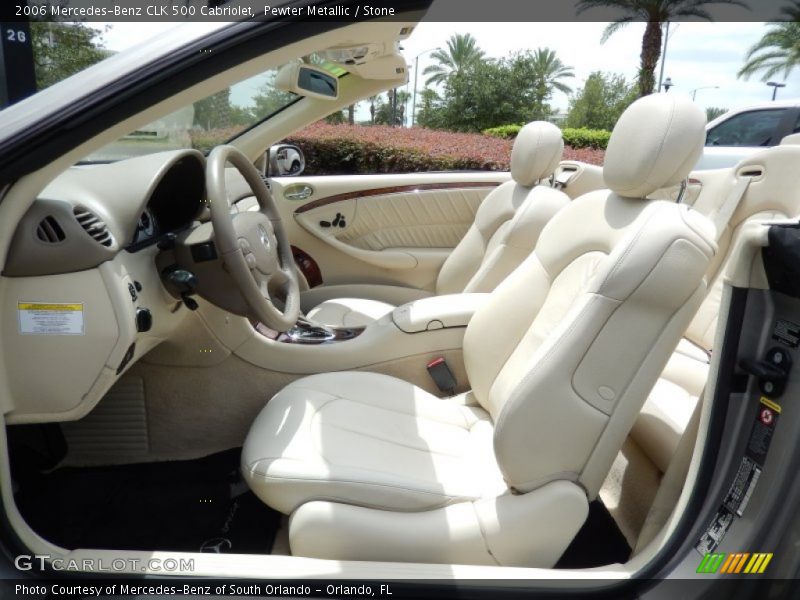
174,204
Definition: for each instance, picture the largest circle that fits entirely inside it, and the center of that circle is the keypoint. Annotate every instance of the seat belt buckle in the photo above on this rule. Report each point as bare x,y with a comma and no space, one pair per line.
442,375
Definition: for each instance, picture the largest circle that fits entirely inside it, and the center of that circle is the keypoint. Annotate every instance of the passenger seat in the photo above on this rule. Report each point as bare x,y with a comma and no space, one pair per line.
505,231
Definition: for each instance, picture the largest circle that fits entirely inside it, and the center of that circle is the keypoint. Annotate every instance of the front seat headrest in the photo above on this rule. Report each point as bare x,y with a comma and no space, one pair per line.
536,153
655,144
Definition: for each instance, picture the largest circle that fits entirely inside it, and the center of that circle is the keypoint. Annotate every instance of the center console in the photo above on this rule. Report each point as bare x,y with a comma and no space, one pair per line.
426,327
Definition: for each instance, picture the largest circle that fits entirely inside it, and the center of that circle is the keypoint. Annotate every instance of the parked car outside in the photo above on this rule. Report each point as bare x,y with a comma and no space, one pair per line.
742,131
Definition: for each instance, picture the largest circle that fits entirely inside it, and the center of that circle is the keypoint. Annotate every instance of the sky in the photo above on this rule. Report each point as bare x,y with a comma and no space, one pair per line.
699,55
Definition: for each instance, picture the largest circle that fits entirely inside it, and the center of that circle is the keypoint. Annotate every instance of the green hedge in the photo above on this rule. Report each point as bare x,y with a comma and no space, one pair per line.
575,138
506,132
586,138
341,155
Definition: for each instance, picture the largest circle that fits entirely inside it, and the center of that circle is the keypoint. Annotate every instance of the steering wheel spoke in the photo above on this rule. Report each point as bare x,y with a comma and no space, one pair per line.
282,276
262,282
264,258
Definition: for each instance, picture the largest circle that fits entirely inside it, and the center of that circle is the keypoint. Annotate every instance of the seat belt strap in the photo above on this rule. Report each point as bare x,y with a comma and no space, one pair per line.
724,213
561,180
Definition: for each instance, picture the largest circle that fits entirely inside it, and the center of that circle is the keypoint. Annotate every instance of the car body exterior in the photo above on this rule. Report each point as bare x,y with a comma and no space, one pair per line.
741,131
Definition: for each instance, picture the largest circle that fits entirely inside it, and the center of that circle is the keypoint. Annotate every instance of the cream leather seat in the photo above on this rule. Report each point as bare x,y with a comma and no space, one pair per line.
560,361
506,227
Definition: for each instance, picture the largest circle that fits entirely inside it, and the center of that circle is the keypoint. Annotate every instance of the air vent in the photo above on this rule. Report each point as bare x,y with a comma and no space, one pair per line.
94,226
49,231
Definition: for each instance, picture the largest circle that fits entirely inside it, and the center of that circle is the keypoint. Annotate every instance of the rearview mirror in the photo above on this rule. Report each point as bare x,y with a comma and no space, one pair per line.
285,160
307,80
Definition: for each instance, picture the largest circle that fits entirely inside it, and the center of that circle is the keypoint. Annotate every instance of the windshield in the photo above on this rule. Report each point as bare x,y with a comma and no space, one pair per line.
205,123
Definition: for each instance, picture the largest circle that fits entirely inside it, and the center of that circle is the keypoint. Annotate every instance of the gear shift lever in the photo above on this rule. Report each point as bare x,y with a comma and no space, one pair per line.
306,331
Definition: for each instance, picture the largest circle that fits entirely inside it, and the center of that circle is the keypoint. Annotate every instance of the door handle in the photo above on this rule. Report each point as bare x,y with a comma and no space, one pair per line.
298,192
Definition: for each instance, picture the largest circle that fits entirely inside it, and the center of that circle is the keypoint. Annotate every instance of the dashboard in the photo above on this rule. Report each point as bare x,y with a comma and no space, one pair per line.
88,214
83,287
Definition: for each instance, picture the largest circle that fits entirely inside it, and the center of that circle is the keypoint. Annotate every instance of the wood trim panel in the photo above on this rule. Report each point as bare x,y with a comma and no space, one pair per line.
308,266
397,189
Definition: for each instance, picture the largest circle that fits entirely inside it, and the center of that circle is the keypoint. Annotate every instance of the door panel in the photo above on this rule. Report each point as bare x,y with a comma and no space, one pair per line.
385,229
396,228
424,218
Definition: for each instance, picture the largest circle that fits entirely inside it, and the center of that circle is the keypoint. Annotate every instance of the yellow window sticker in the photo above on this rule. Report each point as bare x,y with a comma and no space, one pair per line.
50,318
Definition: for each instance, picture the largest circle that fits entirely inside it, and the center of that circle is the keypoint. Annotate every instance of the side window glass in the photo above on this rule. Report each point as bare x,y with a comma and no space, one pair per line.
796,128
754,128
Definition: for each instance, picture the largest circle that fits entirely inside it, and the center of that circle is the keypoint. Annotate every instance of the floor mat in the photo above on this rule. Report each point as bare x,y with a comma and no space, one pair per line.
192,505
599,542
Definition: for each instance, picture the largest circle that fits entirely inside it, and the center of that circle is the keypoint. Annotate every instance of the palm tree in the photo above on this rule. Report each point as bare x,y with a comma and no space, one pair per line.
712,112
549,70
547,73
778,51
654,13
462,51
402,98
373,100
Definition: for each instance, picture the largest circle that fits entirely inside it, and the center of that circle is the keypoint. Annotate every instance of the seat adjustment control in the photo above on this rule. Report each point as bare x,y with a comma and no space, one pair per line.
338,221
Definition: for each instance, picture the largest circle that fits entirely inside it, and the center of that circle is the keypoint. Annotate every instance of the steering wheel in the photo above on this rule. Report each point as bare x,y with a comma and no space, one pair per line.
253,244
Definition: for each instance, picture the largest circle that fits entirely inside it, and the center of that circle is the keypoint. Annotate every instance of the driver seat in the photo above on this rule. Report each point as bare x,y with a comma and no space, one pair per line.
561,360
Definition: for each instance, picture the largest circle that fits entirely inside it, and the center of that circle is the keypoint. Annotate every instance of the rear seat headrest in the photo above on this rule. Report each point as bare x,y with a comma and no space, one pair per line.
791,140
655,144
536,153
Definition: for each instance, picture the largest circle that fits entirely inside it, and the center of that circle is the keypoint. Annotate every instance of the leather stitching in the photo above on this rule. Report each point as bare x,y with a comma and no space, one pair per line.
484,538
445,499
399,444
627,252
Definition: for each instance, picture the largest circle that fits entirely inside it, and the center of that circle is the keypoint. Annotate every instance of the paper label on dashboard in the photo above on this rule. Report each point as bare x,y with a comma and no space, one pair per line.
47,318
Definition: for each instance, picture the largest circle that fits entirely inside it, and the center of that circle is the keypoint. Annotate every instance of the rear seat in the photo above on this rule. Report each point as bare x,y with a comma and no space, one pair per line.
633,482
771,195
664,416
